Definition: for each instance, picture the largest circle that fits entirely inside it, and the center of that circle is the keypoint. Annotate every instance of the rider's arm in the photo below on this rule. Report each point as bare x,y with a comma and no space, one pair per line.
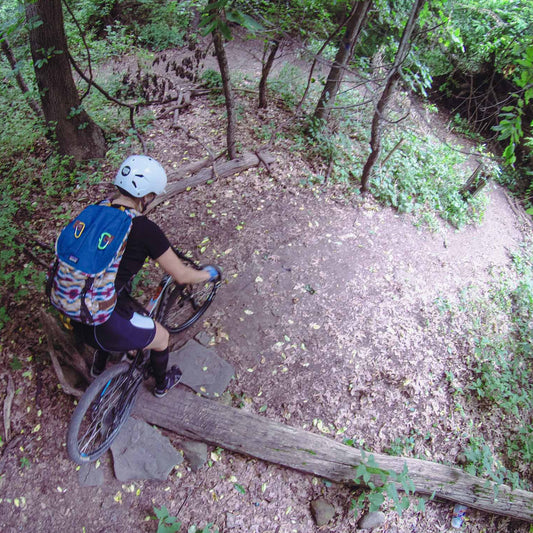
174,266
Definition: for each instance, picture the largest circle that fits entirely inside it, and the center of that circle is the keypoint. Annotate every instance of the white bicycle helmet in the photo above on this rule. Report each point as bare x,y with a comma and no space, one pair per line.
140,175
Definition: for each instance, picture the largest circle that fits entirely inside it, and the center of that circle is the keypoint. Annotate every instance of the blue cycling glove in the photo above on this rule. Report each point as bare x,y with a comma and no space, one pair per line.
214,272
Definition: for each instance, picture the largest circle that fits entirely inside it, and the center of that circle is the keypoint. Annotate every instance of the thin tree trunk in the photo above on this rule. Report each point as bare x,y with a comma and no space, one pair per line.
228,91
8,52
354,24
75,132
392,78
265,71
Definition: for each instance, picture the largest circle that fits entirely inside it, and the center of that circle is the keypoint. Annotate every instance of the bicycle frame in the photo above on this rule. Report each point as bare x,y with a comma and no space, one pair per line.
155,300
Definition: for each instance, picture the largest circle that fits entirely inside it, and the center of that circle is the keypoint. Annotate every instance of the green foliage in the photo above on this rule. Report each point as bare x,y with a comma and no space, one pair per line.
167,523
480,461
211,79
498,380
118,42
216,16
382,484
424,176
502,366
20,129
288,84
170,524
510,126
462,126
337,150
165,25
490,30
149,23
406,445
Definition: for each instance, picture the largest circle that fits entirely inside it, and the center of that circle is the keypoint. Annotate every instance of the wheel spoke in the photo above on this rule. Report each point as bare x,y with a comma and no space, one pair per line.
99,423
186,304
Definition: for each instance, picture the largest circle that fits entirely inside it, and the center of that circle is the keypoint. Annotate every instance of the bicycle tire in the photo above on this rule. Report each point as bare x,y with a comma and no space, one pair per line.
101,412
182,305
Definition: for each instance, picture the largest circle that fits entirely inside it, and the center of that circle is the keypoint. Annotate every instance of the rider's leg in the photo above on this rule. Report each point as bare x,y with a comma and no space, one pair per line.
164,380
100,358
85,335
159,355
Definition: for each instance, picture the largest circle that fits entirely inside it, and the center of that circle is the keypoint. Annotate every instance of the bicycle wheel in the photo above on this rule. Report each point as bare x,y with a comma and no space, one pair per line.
182,305
101,412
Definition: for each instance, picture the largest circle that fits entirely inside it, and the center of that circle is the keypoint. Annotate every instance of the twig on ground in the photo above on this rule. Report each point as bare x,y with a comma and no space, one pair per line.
263,160
10,394
13,443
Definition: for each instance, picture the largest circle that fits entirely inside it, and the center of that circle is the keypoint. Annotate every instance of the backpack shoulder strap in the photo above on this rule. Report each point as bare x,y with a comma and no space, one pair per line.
128,210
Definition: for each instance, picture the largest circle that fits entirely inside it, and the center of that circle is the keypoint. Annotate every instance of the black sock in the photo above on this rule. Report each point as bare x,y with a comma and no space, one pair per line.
159,362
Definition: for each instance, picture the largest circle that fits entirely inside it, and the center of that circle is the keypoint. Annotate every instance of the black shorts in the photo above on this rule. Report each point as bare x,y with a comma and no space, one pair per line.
122,332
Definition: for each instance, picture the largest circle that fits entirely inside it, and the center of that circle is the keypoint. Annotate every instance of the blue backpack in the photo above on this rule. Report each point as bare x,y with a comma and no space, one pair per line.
81,281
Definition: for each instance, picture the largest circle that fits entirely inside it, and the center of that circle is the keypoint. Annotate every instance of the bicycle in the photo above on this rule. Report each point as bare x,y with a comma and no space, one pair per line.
108,401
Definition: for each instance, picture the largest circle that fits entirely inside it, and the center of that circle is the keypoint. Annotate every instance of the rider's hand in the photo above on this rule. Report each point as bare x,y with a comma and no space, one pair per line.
214,272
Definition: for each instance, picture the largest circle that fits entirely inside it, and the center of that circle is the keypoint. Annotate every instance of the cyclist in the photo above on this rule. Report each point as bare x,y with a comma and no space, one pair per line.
139,179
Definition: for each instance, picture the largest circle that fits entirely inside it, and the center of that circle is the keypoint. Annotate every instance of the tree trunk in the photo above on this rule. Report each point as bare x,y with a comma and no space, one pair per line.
234,429
220,53
265,71
392,78
8,52
76,134
376,131
354,24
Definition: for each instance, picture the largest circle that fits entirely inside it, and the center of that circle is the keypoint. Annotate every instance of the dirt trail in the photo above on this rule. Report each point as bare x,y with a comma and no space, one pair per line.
328,315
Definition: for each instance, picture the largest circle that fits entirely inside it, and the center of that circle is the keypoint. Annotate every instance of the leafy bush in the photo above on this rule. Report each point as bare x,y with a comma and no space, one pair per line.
423,176
118,42
211,79
170,524
288,85
20,129
160,35
164,24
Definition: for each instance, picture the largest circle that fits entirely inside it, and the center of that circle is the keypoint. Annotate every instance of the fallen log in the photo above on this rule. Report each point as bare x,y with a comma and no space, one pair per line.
224,169
233,429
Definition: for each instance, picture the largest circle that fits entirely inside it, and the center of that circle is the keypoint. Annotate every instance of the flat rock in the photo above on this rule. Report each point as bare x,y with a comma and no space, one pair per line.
372,520
204,338
195,453
203,370
322,511
141,452
91,475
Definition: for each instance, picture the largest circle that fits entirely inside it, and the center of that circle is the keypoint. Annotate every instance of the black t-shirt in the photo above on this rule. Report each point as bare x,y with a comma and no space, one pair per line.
146,239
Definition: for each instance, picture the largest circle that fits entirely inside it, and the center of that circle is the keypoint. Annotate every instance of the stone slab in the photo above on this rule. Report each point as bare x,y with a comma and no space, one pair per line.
195,453
203,370
91,475
141,452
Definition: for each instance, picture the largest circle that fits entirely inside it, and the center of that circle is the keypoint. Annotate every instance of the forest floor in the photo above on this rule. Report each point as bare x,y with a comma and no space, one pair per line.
340,316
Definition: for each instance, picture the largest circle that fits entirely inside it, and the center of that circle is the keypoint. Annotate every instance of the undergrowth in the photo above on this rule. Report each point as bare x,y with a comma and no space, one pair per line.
424,176
498,385
415,174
